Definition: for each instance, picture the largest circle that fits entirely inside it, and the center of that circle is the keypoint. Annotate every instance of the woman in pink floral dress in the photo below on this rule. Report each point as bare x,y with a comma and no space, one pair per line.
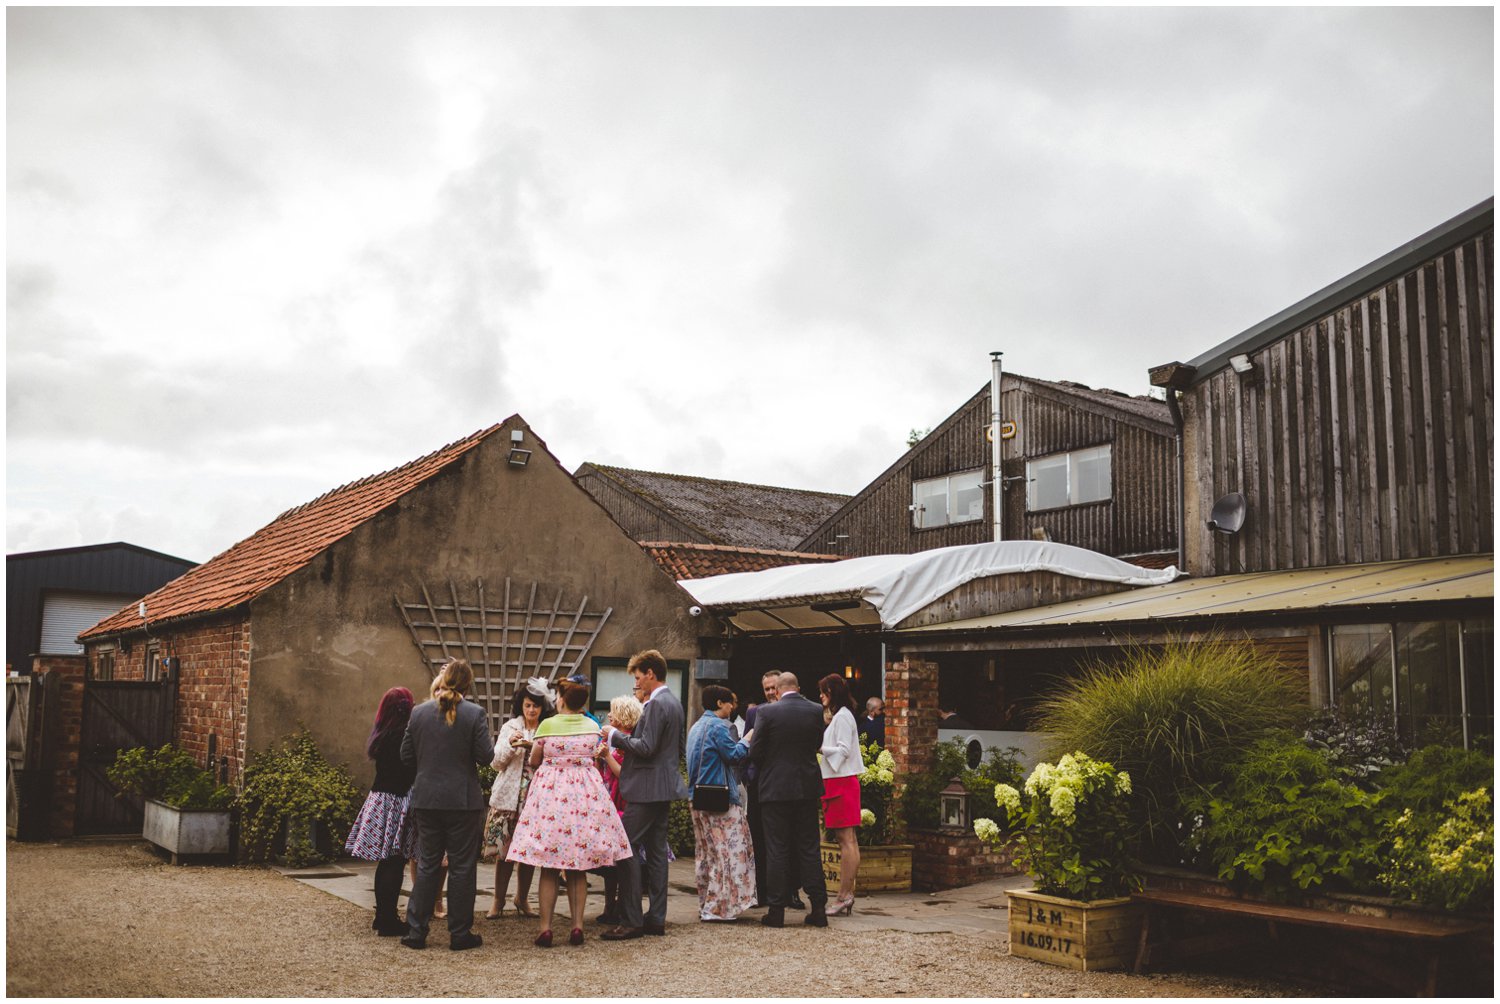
568,823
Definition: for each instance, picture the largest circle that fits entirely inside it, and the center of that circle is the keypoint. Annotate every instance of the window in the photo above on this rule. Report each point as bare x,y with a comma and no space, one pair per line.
956,498
1432,680
104,664
1065,479
612,679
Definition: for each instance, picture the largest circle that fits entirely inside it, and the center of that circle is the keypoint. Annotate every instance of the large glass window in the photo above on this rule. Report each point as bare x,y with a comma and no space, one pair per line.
1432,680
956,498
1065,479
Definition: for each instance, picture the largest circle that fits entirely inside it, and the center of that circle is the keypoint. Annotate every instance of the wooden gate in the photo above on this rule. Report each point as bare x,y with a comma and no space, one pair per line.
118,715
30,754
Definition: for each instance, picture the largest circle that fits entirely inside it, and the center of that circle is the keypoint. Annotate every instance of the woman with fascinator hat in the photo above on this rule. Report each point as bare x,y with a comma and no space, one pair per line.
533,704
381,832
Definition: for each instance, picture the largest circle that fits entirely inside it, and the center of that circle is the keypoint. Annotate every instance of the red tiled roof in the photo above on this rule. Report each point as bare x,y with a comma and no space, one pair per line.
1155,559
286,544
698,561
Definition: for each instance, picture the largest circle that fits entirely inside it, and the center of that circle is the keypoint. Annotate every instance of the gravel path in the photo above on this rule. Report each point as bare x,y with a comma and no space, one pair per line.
109,918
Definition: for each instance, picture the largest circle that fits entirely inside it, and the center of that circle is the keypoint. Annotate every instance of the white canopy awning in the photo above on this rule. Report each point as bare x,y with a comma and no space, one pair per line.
895,586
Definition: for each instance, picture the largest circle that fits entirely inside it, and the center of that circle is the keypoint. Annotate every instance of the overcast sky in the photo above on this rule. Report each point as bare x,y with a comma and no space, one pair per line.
256,254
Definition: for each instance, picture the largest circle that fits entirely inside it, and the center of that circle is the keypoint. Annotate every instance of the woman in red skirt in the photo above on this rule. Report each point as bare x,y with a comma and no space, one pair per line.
841,764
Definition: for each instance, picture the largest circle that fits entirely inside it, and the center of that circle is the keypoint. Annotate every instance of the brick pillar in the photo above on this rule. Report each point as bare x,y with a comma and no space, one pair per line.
67,739
911,693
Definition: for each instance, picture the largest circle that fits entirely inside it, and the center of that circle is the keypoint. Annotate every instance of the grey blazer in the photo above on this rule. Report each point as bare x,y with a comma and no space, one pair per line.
446,756
649,773
784,749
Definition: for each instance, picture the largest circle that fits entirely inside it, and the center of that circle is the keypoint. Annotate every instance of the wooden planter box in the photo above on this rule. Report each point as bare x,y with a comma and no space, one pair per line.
882,868
1103,934
186,832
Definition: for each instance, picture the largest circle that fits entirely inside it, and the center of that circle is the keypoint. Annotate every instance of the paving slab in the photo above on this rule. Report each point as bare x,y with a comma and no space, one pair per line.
970,909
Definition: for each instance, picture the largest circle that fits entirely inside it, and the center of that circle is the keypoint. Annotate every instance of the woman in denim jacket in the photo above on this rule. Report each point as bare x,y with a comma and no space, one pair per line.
725,859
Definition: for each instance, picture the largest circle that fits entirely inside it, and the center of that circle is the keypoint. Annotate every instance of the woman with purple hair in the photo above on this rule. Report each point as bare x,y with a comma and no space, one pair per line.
381,832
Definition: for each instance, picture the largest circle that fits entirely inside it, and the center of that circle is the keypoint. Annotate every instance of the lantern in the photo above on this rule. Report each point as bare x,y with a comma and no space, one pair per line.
953,806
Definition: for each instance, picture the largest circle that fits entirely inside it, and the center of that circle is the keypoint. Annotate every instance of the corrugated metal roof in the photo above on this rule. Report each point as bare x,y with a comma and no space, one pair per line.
1467,577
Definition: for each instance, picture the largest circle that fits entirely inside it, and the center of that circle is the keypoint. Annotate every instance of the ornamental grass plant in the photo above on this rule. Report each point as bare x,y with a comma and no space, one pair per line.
1172,716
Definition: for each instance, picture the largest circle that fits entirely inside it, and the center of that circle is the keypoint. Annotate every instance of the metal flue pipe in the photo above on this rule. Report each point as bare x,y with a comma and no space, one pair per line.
997,476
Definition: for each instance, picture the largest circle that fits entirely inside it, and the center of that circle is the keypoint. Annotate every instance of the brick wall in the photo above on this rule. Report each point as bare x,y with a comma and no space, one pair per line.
69,724
213,687
945,859
911,696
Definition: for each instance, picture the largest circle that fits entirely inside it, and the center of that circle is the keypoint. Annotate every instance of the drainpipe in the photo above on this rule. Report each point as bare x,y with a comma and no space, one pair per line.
997,481
1176,409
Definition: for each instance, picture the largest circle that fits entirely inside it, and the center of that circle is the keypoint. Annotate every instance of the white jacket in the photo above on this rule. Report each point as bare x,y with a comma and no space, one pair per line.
841,756
509,762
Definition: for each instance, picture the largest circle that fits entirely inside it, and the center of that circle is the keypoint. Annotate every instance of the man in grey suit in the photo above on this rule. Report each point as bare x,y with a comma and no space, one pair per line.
784,748
447,739
649,783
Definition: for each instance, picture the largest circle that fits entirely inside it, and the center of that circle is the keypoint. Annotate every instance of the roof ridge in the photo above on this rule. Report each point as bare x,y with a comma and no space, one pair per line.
721,481
472,437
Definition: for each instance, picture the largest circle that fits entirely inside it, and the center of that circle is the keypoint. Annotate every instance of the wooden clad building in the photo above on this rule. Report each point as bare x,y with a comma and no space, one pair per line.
1091,468
1357,424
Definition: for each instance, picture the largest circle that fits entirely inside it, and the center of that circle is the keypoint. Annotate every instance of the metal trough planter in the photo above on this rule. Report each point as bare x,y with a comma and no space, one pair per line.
187,832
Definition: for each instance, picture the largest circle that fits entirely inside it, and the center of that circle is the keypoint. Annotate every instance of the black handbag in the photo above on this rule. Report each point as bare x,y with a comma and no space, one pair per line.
711,797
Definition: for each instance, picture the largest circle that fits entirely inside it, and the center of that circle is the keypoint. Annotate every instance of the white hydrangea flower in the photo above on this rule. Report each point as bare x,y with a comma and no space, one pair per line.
985,829
866,817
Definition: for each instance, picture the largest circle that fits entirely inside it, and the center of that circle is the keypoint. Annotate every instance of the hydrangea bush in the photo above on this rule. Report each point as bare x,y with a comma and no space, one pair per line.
877,820
1074,828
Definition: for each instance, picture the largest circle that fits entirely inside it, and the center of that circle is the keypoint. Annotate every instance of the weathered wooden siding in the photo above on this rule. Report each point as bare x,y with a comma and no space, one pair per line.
1363,436
1139,517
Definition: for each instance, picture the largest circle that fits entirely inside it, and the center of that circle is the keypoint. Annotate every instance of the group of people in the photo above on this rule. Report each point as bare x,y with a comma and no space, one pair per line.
573,795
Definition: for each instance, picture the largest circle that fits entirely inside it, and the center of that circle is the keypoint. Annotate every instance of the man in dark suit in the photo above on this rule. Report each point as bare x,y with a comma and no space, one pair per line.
784,748
872,725
649,783
447,739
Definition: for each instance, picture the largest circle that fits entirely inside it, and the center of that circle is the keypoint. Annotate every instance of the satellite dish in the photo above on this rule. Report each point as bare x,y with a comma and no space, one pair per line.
1229,513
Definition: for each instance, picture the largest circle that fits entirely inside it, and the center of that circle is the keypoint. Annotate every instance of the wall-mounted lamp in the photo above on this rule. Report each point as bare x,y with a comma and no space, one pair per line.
1242,364
848,672
518,457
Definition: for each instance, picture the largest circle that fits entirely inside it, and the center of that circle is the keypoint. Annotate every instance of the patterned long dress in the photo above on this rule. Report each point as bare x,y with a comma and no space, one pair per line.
724,862
568,820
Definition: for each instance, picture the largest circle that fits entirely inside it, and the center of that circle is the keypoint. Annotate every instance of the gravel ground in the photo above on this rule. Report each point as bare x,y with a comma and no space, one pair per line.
110,918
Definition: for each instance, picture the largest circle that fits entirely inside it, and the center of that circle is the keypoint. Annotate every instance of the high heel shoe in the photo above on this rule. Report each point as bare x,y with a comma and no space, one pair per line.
523,908
842,908
576,938
544,940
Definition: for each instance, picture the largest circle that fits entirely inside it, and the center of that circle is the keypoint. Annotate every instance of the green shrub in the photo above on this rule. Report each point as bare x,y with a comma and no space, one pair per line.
1282,823
680,821
291,783
1435,775
1450,864
1172,717
1073,826
168,775
919,802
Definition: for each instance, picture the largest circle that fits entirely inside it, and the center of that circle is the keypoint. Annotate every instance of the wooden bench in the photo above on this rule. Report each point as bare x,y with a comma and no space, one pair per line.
1439,942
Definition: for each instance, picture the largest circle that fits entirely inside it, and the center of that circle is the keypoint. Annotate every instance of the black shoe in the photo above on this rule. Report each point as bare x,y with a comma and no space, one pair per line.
412,941
775,917
622,934
390,928
797,904
817,917
470,940
607,920
656,930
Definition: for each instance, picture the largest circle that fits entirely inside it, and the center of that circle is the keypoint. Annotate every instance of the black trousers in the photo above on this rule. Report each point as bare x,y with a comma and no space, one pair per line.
388,888
757,838
456,833
792,857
